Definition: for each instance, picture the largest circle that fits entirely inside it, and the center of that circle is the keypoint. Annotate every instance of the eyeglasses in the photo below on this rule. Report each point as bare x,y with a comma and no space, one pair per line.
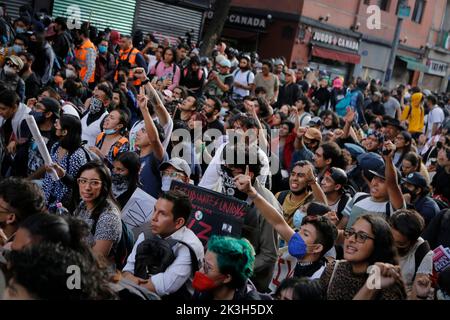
172,174
360,237
92,183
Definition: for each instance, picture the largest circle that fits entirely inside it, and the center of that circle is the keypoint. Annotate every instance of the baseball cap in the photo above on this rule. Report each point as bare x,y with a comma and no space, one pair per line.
16,61
416,179
370,161
70,110
313,134
179,164
338,175
225,63
51,105
354,149
316,121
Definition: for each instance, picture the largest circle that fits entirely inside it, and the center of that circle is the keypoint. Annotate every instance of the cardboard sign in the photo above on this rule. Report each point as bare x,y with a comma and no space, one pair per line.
213,213
138,209
441,258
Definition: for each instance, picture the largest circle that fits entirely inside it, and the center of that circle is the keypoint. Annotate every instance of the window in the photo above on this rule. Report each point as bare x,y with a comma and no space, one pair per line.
383,4
419,8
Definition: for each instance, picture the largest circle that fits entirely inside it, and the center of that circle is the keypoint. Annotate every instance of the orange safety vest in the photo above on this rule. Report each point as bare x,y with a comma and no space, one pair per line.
81,55
116,146
131,58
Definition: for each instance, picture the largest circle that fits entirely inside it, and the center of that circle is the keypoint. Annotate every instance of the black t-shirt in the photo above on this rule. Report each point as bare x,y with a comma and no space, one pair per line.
440,183
216,124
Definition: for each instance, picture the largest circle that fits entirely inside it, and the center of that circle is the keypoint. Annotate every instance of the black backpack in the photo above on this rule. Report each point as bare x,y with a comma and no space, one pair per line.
154,255
364,196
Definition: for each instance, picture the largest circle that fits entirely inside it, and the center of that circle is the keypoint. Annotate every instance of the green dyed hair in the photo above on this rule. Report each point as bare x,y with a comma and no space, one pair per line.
235,257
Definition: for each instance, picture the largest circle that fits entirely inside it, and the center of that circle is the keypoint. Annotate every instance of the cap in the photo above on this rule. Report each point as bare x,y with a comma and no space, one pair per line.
370,161
338,175
168,93
388,121
225,63
70,110
313,134
51,105
16,61
316,121
338,83
179,164
354,149
416,179
379,172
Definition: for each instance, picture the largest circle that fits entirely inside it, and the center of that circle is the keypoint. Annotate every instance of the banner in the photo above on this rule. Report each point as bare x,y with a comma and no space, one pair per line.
213,213
138,209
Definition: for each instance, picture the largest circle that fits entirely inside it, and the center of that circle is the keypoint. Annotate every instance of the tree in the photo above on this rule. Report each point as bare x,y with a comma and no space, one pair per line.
215,26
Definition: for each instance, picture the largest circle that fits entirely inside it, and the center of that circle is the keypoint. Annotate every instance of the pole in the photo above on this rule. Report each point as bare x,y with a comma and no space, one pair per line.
391,63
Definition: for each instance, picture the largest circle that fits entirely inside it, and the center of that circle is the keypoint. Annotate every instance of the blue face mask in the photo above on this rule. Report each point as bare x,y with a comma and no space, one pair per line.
102,49
297,246
17,48
20,30
369,131
38,116
298,218
109,131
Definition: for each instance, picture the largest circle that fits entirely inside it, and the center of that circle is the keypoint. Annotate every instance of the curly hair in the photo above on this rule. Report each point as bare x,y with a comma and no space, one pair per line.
235,257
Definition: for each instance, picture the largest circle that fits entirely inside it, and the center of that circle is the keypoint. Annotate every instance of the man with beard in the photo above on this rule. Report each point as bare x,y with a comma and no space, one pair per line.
303,188
211,109
244,79
237,161
415,191
306,143
416,258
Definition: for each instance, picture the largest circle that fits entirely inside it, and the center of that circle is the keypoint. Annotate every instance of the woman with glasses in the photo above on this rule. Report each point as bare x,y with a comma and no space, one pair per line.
98,209
67,156
370,270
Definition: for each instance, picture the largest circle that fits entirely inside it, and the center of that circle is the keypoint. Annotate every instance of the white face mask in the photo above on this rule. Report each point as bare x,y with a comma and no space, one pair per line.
70,74
165,183
9,70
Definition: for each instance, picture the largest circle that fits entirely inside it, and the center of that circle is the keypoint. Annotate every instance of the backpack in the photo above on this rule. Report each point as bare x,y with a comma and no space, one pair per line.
116,146
364,196
154,255
90,156
282,196
341,106
173,72
70,57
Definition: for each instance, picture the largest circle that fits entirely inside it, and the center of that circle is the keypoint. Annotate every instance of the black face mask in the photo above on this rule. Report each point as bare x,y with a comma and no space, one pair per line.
228,187
411,193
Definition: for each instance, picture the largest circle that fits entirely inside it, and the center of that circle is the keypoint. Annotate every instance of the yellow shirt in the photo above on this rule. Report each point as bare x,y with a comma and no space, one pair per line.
416,117
290,206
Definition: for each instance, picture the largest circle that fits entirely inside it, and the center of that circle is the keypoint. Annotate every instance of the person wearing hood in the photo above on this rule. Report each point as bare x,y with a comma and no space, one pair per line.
357,102
414,114
9,76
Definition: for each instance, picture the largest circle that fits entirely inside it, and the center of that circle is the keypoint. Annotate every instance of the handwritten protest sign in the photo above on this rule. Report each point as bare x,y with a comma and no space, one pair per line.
441,258
213,213
138,209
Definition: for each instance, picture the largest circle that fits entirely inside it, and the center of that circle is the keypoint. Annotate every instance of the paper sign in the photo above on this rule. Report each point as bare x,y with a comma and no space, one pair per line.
213,213
138,209
441,258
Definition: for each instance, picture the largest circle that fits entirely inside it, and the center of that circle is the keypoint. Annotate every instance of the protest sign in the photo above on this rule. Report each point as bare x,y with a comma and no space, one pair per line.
441,258
138,209
213,213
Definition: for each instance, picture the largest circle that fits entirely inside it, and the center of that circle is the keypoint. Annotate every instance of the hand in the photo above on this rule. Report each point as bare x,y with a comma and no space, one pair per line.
407,197
167,82
57,168
338,133
31,102
389,274
142,99
332,216
388,145
244,183
139,73
11,148
310,176
422,285
301,132
213,76
123,87
350,115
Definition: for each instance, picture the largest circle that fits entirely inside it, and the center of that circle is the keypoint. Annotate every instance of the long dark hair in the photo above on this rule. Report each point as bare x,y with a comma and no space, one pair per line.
174,54
130,160
72,140
383,247
105,197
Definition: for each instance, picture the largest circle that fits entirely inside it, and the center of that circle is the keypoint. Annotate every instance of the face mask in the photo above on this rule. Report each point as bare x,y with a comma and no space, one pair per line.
297,246
17,48
165,183
102,49
119,184
298,218
38,116
96,105
440,295
109,131
369,131
202,282
9,70
70,74
20,30
223,112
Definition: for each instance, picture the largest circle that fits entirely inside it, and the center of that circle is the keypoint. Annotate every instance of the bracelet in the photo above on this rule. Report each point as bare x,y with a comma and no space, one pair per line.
145,81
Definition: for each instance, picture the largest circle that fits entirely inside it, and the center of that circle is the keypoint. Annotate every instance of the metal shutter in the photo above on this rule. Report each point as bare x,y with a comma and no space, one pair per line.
12,7
115,14
167,19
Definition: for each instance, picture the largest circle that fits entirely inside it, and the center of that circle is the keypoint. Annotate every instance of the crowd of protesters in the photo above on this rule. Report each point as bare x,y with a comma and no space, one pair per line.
341,175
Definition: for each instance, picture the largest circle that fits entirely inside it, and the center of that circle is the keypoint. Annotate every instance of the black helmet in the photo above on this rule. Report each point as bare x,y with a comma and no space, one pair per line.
254,56
338,175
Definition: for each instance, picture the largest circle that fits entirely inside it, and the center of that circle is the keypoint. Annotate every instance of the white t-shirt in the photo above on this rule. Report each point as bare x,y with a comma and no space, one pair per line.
435,116
242,77
364,206
408,264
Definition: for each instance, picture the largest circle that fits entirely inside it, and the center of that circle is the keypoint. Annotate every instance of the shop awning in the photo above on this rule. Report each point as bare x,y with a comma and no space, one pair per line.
414,64
335,55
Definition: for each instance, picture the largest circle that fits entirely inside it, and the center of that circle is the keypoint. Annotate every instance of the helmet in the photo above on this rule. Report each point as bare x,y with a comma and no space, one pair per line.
254,56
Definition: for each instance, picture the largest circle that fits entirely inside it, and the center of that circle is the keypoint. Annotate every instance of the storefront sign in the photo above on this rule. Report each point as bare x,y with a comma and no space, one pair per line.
437,68
335,40
243,20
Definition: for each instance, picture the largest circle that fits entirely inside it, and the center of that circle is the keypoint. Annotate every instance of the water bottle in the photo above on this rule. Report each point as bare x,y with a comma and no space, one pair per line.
60,210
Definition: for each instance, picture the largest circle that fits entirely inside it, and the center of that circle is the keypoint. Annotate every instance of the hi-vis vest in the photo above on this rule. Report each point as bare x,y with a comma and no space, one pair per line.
131,58
116,146
81,56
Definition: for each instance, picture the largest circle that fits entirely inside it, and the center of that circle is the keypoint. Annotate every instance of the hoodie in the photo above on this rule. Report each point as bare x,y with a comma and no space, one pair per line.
414,114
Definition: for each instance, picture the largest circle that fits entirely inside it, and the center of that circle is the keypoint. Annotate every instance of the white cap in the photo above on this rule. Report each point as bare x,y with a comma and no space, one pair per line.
69,109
